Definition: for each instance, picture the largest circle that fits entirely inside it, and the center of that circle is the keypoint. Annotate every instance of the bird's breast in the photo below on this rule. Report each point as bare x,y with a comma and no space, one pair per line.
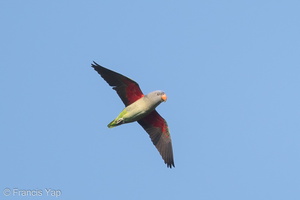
139,109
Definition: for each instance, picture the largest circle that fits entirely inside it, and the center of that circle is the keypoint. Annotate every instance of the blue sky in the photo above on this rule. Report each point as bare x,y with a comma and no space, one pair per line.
231,70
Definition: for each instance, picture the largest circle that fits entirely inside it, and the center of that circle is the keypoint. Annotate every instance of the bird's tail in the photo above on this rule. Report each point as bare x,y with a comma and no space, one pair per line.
115,122
112,124
119,120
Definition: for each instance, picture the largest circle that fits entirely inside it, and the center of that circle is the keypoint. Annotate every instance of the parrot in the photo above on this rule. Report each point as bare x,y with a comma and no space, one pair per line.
140,108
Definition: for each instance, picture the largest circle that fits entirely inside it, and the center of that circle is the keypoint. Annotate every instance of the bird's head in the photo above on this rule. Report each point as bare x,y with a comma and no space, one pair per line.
157,96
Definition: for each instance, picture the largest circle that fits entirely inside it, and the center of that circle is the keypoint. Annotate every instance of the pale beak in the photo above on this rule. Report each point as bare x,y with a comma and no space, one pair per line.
164,97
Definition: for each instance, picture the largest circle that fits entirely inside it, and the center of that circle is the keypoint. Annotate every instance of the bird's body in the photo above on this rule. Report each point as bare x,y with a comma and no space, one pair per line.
140,108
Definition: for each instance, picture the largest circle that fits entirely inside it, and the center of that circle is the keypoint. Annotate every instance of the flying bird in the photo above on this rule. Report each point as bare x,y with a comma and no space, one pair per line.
140,108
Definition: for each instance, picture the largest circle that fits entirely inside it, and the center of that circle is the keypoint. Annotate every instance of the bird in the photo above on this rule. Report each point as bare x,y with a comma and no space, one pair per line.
140,108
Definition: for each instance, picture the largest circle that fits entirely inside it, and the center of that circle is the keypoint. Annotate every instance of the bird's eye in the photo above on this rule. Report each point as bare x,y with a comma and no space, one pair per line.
158,93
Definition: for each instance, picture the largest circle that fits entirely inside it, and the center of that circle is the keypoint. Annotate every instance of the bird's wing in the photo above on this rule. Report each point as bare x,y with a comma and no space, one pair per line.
127,89
158,130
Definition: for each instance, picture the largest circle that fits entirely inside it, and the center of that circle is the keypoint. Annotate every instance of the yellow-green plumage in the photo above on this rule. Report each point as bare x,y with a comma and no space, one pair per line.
115,121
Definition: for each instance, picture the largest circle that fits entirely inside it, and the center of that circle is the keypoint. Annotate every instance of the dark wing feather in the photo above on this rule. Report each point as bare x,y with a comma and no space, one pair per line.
127,89
158,131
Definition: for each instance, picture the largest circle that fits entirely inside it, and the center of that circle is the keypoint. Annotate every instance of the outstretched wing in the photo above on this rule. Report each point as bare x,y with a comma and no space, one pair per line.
127,89
158,131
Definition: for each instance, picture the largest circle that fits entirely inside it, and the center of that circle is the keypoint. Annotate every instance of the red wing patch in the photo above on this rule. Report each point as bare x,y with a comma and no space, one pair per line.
158,131
133,92
127,89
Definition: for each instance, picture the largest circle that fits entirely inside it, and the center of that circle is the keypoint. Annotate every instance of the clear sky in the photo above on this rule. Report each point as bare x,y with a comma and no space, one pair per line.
231,70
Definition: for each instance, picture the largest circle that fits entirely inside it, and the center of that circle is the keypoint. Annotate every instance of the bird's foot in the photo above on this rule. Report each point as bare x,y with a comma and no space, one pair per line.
120,121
